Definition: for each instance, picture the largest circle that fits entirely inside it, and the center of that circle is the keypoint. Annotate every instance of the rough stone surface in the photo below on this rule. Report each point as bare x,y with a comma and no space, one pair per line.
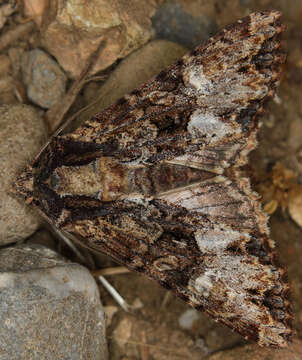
7,88
22,134
76,28
50,309
5,11
4,64
44,78
7,82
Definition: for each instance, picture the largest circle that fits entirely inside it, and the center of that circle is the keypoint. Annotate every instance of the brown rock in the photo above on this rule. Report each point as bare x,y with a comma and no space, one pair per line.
5,11
7,87
22,133
15,55
4,64
35,9
72,30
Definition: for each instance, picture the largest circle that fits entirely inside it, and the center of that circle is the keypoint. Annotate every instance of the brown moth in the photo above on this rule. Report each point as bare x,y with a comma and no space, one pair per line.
154,181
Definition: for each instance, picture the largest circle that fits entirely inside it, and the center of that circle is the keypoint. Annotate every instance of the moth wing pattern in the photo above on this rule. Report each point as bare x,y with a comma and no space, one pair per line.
220,264
208,98
173,203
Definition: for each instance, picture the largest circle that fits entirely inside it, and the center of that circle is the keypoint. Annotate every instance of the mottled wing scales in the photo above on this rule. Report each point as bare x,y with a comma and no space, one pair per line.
222,264
210,96
154,181
219,201
241,289
210,246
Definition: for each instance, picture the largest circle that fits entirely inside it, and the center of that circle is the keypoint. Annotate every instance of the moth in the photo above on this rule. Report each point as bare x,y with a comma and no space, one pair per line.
155,181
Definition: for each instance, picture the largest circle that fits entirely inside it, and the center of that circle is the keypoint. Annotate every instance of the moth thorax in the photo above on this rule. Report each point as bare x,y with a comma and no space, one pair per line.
107,179
103,178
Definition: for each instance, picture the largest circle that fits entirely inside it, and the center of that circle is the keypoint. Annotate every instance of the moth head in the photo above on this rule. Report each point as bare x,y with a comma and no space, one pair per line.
24,184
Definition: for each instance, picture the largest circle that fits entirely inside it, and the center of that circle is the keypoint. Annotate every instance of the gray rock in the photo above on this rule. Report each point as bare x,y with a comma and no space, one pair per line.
172,22
49,308
22,134
45,80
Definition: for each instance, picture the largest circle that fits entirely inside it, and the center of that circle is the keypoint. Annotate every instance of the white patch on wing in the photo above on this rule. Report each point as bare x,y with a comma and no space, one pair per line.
234,275
195,77
207,124
217,240
202,284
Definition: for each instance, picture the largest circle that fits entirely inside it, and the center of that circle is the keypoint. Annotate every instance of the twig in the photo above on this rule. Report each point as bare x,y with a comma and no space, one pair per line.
117,297
96,78
144,349
110,271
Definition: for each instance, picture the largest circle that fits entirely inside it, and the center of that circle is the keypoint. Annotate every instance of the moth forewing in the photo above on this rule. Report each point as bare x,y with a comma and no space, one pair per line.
155,182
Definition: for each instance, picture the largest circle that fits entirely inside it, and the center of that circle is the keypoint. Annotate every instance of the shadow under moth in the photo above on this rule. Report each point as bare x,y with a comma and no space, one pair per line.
155,182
